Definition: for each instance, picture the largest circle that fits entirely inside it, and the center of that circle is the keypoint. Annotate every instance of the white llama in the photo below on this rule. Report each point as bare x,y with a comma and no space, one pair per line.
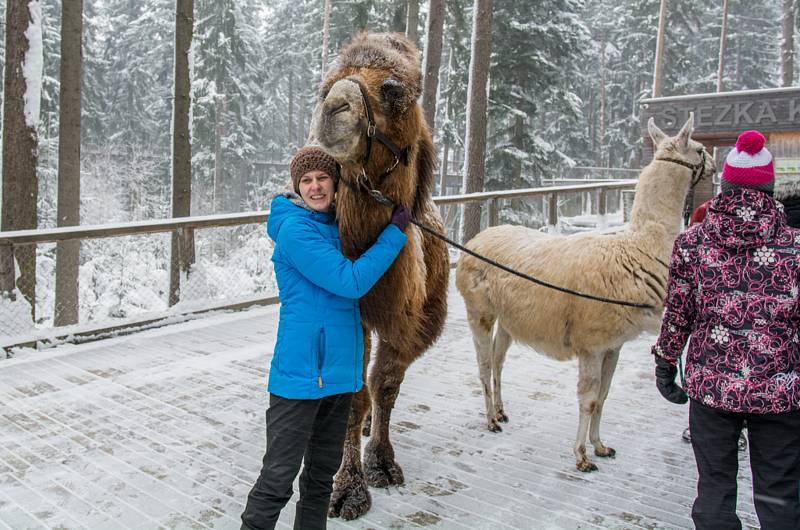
629,265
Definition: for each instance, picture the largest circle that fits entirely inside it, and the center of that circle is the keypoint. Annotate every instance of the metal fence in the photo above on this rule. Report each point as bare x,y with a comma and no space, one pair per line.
123,276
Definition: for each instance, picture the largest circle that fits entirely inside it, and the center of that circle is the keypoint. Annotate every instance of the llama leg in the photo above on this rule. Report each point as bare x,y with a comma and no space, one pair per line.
502,340
589,376
380,466
609,365
350,497
481,325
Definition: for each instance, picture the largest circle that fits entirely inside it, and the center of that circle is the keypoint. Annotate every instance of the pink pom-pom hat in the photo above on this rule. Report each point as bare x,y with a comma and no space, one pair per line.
749,164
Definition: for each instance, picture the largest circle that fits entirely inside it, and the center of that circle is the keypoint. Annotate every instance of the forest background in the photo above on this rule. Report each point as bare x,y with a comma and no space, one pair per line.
565,79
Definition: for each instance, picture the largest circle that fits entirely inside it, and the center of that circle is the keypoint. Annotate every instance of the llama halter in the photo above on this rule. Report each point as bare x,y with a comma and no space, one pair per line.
697,169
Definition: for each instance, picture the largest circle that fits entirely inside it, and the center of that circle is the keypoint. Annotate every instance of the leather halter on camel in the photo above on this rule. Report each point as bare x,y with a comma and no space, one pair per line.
400,155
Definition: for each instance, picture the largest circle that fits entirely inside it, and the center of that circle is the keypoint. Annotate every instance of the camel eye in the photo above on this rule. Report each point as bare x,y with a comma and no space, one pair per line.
393,94
323,93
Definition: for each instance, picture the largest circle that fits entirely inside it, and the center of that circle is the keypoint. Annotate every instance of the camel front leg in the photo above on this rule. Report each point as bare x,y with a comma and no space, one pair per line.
589,376
609,366
387,375
350,497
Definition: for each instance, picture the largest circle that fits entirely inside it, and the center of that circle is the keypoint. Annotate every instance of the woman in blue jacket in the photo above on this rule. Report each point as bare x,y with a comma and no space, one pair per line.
318,360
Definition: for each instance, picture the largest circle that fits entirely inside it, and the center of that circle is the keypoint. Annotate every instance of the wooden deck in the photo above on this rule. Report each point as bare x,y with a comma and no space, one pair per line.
165,429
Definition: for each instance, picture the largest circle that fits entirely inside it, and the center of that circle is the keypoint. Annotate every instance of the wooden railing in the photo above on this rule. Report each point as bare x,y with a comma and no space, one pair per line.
184,227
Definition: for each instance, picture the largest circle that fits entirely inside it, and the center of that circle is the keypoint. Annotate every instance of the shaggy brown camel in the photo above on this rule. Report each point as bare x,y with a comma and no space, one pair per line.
629,265
380,74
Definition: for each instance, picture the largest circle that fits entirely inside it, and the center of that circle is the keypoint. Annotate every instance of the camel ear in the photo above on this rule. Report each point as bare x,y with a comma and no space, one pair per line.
686,133
656,134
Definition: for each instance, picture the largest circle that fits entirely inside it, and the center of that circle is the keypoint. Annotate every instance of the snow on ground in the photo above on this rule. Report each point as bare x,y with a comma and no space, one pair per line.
165,429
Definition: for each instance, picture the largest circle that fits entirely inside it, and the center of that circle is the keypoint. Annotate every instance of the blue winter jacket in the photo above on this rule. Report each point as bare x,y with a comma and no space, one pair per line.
320,346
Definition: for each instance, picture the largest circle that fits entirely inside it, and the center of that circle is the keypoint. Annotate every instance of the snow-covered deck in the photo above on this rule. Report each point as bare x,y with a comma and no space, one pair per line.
165,429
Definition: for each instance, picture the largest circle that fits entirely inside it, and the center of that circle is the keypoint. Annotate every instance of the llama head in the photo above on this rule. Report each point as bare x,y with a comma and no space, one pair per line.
681,146
385,70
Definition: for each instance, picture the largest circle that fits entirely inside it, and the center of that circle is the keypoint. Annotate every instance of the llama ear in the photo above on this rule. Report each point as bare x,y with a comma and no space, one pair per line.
686,133
656,134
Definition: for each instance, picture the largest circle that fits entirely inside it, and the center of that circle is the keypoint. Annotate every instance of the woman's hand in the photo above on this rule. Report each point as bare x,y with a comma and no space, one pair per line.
400,217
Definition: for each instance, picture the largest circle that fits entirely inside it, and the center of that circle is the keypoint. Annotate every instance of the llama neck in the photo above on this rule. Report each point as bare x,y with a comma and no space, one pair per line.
659,199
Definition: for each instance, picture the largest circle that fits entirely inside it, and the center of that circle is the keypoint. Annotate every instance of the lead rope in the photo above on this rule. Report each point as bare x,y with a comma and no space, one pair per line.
385,201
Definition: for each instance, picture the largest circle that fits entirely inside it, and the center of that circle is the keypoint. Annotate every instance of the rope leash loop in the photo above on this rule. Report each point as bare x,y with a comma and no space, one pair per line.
382,199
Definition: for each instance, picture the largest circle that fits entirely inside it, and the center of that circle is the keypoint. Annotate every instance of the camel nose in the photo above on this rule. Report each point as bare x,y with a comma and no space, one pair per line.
341,99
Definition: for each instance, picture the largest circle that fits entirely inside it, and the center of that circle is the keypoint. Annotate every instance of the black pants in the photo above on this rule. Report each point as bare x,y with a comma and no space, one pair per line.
299,430
774,460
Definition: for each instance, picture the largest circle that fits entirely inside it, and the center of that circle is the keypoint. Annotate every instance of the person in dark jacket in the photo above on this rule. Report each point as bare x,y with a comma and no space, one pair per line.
787,191
318,358
733,294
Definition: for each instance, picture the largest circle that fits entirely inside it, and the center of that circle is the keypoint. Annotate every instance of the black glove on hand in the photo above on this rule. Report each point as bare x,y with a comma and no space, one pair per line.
400,217
665,381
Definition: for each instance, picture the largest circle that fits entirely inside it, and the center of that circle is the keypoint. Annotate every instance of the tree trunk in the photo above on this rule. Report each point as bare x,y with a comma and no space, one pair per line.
326,35
290,110
433,59
592,125
182,251
221,107
659,63
787,43
443,173
602,139
69,162
722,45
20,141
477,106
301,120
412,20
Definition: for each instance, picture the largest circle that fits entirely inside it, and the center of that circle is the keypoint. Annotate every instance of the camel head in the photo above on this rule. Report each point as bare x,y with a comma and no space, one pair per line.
682,147
383,69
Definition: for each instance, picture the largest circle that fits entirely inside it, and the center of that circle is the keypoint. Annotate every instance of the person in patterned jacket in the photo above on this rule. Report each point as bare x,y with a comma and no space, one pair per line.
733,295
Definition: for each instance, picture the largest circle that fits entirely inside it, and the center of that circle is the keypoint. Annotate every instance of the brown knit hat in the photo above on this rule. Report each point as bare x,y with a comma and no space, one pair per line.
311,159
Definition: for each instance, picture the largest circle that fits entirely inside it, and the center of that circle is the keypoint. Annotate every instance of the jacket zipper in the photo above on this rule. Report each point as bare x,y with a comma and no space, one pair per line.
355,366
319,351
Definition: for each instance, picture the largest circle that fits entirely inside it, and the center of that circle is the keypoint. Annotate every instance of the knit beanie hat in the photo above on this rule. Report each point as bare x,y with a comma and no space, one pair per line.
312,159
749,165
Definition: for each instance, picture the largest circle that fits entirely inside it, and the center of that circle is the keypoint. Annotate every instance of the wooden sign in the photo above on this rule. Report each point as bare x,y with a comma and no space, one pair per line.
726,114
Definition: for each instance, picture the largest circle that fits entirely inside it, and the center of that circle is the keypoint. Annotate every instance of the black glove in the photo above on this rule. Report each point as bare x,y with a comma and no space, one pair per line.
400,217
665,381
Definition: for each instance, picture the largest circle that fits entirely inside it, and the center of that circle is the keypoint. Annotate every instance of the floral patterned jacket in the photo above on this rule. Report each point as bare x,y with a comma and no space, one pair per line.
733,293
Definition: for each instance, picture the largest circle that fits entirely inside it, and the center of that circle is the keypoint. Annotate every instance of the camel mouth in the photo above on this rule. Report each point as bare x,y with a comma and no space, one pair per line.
344,107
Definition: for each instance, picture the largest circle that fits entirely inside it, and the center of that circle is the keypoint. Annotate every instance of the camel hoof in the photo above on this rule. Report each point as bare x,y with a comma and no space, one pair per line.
384,475
494,427
586,466
501,417
605,452
380,467
350,501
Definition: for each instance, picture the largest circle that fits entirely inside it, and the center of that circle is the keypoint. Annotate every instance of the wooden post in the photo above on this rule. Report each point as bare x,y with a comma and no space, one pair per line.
602,201
723,33
494,212
7,271
659,66
552,210
183,247
627,204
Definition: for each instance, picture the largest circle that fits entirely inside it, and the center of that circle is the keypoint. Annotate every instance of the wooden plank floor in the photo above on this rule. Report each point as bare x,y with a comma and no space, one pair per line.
165,429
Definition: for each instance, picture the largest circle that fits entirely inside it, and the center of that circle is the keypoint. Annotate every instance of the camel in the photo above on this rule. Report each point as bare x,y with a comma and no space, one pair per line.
630,265
380,74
